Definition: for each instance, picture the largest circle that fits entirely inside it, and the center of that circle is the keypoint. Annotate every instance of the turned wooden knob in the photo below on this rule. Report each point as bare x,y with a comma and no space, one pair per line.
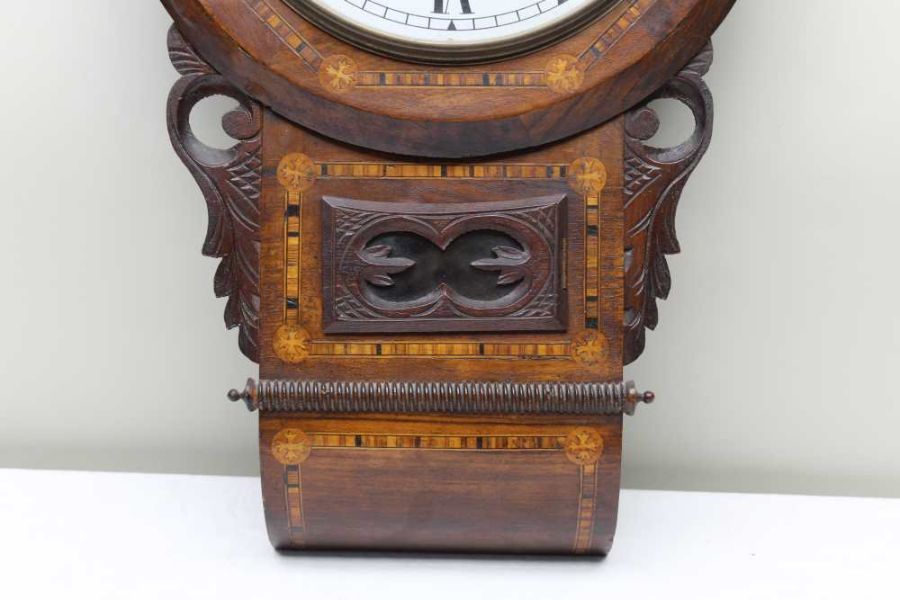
634,397
248,395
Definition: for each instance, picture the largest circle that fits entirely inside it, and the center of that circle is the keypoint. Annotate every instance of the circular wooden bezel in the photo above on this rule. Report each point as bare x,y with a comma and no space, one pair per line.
307,75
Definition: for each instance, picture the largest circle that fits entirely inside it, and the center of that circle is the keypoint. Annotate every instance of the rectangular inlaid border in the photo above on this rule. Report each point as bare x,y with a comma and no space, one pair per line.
298,173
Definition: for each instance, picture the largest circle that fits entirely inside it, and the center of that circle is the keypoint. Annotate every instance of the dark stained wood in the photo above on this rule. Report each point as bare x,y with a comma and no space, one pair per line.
577,84
301,169
442,397
452,424
475,266
514,485
466,473
230,180
654,180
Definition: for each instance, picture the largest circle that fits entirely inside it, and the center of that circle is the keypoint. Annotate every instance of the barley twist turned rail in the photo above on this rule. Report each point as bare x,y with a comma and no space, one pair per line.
442,397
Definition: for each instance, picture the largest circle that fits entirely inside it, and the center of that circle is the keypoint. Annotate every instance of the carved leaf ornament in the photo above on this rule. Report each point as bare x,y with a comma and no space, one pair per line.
477,265
230,180
654,180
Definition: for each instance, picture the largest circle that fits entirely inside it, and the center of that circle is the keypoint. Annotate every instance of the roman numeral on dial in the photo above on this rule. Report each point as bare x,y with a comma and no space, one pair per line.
444,7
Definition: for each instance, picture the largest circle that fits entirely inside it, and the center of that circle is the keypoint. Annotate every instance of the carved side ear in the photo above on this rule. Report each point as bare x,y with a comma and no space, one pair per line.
230,180
654,180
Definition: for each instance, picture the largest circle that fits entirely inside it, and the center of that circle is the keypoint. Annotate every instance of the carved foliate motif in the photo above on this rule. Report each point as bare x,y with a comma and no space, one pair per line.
426,267
230,180
654,180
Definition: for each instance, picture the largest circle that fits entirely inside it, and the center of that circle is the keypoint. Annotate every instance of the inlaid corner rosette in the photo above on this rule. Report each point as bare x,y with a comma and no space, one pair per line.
230,180
654,180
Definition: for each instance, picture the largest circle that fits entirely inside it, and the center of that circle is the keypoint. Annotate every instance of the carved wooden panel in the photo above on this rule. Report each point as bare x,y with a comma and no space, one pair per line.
424,267
654,180
230,180
303,175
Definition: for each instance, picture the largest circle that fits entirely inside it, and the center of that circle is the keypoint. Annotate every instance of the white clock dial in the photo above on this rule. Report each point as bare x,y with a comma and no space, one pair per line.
453,21
451,24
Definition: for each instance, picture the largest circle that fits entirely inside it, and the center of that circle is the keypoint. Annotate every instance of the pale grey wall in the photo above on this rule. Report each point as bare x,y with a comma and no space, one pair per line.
775,360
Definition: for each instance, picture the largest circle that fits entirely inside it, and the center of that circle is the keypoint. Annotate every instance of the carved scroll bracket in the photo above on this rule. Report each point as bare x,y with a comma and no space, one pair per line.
654,180
230,180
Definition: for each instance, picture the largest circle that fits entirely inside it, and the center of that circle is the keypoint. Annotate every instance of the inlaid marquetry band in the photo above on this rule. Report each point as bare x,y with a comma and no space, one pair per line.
441,397
632,13
285,32
562,74
297,173
589,177
288,450
583,446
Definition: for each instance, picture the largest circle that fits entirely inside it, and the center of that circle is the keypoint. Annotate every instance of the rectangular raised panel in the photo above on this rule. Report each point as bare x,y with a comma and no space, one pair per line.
577,183
393,267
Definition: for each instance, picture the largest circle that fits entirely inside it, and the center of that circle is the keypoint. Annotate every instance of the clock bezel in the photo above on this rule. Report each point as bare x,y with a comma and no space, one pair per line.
451,54
276,57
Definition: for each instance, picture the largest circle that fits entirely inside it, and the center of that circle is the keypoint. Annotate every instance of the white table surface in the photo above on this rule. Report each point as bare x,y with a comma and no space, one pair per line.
128,536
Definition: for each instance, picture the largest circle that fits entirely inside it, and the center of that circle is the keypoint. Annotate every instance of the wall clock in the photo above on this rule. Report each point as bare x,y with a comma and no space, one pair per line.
442,230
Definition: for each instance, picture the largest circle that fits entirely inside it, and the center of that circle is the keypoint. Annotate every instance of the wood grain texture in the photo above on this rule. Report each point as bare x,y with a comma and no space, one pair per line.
302,169
481,484
473,434
275,56
396,267
230,180
654,180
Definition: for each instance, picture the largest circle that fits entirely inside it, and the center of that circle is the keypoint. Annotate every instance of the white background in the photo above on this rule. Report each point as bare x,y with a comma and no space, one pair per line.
775,361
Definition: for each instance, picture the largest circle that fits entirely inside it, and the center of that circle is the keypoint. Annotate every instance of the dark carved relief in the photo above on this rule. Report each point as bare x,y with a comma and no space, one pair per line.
230,180
402,267
654,180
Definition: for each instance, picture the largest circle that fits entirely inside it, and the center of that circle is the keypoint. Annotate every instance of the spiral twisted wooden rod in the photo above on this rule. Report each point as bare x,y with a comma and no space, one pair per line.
442,397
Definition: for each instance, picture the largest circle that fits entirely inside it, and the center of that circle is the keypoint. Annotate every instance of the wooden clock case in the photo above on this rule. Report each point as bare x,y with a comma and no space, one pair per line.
441,269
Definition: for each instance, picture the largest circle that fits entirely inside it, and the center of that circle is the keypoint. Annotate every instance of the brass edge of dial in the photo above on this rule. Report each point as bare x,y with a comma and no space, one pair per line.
451,55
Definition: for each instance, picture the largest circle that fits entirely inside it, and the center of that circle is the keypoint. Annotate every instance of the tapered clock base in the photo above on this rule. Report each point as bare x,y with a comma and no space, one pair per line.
540,485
